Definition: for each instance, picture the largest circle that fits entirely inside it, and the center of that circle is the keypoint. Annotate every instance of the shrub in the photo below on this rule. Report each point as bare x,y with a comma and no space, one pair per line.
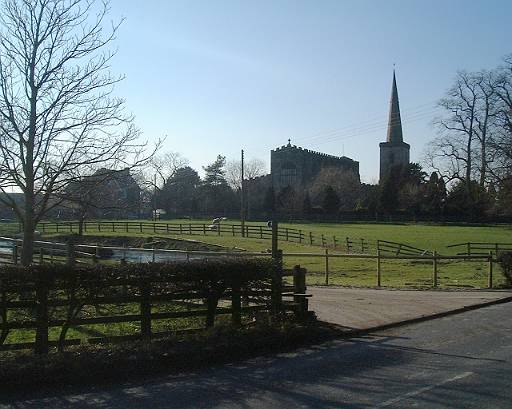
505,260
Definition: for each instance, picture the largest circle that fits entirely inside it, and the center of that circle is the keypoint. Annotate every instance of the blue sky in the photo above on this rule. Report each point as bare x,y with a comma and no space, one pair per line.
218,76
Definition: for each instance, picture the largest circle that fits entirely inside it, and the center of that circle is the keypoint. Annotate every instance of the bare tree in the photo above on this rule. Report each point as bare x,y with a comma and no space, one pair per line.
452,153
252,169
487,110
58,114
475,134
160,168
502,141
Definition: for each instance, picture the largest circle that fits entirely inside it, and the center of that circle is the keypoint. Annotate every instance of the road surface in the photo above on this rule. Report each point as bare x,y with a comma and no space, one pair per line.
461,361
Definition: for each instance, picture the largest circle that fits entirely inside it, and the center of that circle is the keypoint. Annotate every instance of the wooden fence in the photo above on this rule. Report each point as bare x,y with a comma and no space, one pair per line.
42,304
432,257
472,248
54,252
287,234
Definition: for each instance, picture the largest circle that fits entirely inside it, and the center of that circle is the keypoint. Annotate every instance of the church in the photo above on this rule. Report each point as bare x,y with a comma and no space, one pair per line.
296,167
394,151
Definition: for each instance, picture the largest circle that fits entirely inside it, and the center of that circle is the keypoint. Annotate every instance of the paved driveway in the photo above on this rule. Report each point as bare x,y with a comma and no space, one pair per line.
368,308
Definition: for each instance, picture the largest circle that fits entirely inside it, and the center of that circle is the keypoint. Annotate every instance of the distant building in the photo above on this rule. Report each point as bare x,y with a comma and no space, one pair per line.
297,167
105,194
394,151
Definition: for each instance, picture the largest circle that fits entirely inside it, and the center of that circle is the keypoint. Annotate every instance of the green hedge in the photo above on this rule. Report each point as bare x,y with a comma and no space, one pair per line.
505,260
66,290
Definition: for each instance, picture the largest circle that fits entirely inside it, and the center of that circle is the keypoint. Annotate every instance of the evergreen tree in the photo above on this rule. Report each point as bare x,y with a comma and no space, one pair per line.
306,205
180,194
269,204
331,201
215,172
217,196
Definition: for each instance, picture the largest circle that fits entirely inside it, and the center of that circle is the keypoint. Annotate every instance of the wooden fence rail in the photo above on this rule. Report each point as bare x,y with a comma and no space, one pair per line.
475,248
288,234
151,300
433,257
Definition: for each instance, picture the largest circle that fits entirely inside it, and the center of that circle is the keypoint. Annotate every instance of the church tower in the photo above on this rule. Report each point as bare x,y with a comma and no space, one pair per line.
394,151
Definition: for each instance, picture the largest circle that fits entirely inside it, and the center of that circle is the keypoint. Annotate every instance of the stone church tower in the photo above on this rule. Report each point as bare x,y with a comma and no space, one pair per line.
394,151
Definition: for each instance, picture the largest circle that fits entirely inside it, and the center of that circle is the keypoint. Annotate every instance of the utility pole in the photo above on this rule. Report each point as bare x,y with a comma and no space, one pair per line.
154,199
242,197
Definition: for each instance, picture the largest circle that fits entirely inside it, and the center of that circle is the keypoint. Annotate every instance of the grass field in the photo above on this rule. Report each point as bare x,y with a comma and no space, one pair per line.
357,272
346,272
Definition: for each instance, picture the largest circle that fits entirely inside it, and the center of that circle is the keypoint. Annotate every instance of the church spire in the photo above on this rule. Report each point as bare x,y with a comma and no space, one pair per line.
394,123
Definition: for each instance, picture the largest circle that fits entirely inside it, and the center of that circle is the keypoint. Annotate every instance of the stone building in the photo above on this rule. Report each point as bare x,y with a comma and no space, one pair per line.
394,151
297,167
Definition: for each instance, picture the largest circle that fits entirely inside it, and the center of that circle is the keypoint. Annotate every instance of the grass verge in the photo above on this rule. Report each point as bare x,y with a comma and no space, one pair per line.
100,364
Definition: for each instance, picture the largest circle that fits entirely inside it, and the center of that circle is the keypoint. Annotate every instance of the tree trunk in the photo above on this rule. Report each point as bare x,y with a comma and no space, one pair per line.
27,250
81,221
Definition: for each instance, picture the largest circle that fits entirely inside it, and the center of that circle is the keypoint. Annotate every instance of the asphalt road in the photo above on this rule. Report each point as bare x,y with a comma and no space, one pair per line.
462,361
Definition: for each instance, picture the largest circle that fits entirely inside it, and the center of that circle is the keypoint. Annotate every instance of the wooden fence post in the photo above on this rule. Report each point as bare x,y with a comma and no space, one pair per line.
145,310
15,253
299,288
41,344
310,238
277,274
323,240
434,269
326,266
236,304
378,268
489,278
97,255
70,250
300,236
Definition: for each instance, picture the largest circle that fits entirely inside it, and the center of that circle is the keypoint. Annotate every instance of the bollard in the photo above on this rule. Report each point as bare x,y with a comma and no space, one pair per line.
299,288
